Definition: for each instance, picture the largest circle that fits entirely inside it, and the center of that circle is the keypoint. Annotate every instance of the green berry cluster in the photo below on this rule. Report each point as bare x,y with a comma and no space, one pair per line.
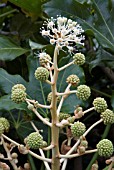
78,129
63,116
49,97
100,104
107,116
44,59
73,80
105,148
18,94
41,74
35,141
18,86
83,92
5,123
79,59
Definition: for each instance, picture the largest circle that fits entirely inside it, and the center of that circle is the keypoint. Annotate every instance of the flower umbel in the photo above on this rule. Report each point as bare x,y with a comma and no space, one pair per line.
63,32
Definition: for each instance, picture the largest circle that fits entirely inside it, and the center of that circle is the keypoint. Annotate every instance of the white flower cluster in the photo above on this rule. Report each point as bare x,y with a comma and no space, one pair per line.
63,32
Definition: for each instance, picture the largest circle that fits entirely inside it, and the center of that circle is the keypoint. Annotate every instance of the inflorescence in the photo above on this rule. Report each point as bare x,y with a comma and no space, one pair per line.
63,32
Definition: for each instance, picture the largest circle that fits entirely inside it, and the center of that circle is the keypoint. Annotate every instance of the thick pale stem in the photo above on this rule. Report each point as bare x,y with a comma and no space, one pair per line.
54,128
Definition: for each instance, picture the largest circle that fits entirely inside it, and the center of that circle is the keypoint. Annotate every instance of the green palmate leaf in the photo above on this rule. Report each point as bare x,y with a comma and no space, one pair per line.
30,7
9,50
95,16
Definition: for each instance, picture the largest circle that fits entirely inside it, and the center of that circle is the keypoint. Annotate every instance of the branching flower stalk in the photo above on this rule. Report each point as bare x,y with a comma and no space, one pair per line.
54,128
63,33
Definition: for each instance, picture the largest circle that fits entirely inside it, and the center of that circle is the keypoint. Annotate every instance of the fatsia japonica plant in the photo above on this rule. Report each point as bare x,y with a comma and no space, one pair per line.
64,34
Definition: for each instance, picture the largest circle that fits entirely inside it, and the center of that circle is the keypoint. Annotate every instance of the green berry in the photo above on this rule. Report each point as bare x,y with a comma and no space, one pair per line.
1,128
78,129
107,116
44,144
18,96
71,119
95,166
100,104
79,59
63,116
18,86
34,140
49,97
30,106
105,148
44,59
73,79
41,74
83,92
84,143
5,123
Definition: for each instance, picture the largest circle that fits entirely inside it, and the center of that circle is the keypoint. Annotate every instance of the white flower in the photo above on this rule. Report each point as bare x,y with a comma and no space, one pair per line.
63,32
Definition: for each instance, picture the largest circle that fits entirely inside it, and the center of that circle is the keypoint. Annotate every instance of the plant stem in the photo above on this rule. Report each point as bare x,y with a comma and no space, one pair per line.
65,162
67,93
77,154
45,163
65,66
88,110
9,12
54,128
8,154
30,152
62,99
33,167
41,118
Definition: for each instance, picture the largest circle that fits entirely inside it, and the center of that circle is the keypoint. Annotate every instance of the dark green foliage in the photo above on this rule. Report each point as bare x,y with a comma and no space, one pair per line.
20,23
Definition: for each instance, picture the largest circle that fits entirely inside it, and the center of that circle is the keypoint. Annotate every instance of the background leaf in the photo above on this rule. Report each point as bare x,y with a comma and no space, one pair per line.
30,7
89,15
8,50
7,81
